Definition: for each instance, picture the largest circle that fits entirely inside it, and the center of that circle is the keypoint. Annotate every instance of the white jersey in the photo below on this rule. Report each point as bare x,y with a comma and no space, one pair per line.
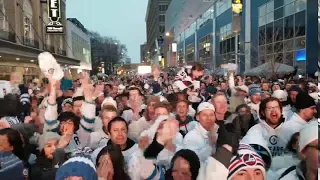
74,144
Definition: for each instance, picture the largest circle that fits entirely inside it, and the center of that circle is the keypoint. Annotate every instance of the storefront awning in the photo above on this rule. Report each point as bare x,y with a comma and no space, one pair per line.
13,49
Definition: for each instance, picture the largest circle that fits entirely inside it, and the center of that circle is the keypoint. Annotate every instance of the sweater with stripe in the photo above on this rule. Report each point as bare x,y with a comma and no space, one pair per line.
81,137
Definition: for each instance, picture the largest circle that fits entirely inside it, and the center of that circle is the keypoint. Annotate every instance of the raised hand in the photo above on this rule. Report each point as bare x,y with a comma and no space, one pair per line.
105,169
4,124
15,78
144,142
28,119
168,131
98,90
64,140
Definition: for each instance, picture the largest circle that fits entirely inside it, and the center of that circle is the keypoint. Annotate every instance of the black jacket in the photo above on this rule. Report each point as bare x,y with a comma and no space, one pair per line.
44,168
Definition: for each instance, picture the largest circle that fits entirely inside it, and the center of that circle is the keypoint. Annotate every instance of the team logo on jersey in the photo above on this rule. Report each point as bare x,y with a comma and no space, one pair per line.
25,172
249,159
273,139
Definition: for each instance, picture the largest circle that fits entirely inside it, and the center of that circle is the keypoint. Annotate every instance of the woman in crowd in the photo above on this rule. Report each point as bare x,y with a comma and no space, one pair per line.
110,163
49,159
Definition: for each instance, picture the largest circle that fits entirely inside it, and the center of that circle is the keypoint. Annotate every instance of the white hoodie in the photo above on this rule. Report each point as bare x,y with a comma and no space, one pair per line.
197,140
165,156
274,137
293,125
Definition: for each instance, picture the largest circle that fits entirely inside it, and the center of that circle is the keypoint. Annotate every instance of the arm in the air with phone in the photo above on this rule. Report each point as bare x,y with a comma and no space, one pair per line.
51,113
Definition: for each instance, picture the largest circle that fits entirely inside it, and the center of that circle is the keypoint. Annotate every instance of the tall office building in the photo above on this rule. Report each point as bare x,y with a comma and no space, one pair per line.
155,24
80,45
281,31
143,53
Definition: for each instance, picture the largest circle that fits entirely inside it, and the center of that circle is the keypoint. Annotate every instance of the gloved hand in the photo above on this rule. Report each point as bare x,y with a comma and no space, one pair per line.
229,138
241,125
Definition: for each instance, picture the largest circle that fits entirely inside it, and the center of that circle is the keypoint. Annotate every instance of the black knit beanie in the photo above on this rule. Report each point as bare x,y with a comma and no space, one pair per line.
304,100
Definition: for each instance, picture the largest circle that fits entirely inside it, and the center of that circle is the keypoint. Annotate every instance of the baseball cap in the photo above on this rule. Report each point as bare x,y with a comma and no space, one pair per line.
67,101
280,94
205,106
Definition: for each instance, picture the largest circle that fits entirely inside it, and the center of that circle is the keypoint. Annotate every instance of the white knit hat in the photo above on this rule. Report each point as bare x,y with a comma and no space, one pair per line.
280,94
109,101
308,133
45,137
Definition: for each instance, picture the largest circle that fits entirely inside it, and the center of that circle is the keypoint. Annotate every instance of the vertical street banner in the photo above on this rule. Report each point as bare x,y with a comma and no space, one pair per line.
54,14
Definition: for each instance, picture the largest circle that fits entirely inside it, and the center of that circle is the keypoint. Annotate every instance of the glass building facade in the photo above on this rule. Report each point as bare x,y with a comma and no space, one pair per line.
282,31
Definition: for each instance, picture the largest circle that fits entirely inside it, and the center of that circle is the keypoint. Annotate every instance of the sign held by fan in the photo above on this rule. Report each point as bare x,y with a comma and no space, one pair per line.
54,14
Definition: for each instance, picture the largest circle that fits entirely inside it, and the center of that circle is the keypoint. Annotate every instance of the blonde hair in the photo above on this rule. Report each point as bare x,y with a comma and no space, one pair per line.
165,105
155,99
108,108
218,94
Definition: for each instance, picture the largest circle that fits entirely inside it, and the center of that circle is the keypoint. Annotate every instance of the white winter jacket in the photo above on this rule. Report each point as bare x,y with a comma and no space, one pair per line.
98,139
285,161
274,137
286,112
197,140
293,125
137,127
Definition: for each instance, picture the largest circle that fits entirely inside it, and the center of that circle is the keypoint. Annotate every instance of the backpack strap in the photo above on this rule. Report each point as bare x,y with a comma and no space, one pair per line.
287,171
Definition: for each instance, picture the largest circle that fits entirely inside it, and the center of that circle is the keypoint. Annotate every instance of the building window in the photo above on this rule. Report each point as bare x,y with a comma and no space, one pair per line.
162,18
278,3
163,8
262,10
269,18
278,30
289,9
161,29
278,13
282,34
190,53
300,5
181,56
226,32
270,6
27,20
3,22
300,21
262,35
205,18
288,27
222,6
287,1
205,48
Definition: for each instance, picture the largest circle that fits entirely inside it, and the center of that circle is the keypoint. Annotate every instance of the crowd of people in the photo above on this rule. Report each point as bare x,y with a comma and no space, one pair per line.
190,126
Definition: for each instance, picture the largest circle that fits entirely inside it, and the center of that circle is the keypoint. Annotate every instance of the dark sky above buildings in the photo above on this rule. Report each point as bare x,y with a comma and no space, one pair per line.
123,19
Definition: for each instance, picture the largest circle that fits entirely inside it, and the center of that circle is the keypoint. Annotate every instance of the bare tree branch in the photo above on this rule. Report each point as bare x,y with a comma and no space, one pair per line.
274,52
107,51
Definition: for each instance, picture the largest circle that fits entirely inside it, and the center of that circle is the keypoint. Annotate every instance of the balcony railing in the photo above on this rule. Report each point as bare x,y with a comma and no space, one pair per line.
49,48
30,42
9,36
62,52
